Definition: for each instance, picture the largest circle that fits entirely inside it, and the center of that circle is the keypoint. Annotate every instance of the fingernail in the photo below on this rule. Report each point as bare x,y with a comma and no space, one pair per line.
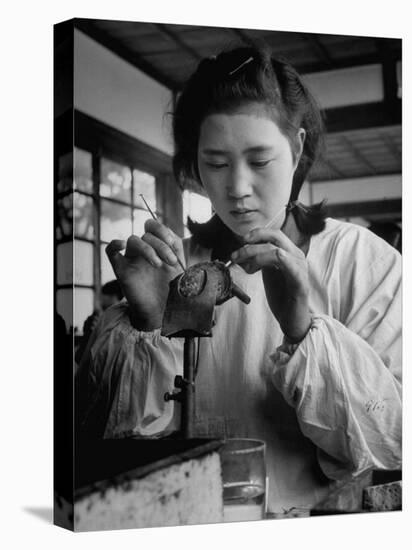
156,263
235,255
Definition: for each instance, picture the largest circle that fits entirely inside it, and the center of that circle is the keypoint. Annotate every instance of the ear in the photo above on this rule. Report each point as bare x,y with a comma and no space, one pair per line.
300,141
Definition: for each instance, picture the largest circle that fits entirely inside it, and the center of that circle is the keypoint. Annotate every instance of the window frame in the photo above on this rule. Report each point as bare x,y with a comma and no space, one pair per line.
104,141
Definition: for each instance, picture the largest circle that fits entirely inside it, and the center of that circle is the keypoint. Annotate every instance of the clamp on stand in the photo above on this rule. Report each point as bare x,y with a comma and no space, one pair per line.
189,314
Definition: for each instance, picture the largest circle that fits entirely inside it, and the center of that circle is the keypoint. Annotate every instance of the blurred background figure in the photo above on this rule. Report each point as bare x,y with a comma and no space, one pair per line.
388,231
111,294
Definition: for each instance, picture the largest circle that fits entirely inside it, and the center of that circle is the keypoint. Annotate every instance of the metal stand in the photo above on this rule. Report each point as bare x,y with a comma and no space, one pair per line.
188,403
186,384
189,314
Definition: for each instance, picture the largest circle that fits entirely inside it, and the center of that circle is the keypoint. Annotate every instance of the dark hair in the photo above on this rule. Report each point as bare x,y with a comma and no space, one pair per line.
113,288
242,75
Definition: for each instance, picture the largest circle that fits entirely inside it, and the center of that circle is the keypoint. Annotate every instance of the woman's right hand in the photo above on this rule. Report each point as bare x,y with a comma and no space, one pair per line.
145,270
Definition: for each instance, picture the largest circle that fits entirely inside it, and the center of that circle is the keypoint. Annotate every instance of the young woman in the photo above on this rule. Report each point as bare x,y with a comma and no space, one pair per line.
313,364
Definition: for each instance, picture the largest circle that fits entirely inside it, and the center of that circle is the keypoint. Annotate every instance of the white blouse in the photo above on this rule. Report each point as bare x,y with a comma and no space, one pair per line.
328,409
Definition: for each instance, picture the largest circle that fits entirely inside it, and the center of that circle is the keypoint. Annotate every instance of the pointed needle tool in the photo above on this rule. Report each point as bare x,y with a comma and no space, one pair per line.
155,218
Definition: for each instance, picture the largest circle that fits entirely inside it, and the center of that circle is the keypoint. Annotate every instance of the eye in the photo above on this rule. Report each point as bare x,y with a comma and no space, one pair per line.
260,163
216,165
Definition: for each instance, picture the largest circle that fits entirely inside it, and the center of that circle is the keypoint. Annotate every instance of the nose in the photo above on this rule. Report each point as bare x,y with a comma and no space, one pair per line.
239,182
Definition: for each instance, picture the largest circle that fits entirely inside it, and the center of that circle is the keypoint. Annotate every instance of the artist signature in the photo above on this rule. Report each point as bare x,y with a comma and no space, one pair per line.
374,405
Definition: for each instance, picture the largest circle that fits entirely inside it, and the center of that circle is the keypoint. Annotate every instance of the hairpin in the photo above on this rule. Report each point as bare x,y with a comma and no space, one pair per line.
240,66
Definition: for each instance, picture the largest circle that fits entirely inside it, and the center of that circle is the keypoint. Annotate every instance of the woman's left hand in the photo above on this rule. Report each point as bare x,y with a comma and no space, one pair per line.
285,277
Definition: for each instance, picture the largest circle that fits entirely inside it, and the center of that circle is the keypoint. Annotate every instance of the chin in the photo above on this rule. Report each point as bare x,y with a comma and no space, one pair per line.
242,229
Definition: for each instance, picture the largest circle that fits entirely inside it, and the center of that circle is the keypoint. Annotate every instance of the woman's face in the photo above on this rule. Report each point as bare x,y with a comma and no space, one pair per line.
246,166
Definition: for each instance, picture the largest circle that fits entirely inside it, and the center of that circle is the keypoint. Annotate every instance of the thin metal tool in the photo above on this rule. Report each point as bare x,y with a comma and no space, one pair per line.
155,218
271,222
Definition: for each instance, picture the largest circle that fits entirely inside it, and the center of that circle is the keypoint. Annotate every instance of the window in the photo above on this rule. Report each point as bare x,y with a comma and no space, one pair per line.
122,211
98,198
75,238
197,207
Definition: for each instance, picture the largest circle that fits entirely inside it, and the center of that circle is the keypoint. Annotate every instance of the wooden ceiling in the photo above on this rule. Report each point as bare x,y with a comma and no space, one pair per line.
362,140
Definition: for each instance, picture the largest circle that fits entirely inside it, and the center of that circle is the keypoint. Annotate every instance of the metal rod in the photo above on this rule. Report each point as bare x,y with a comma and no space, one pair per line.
148,207
188,401
155,218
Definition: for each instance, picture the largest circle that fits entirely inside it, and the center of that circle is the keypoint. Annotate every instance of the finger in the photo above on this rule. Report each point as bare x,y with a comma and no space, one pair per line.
166,235
113,250
162,249
274,236
114,247
136,247
249,251
254,257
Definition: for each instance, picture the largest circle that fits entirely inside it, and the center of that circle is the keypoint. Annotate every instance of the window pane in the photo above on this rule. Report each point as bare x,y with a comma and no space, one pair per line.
144,184
83,307
107,273
116,181
64,222
83,172
83,216
115,222
65,173
83,263
64,305
64,262
198,207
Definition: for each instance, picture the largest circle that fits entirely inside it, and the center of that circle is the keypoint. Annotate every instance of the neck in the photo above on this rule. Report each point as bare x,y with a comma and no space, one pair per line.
216,235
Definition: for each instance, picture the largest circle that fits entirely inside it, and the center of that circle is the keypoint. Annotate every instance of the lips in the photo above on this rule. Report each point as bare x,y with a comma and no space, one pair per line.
239,212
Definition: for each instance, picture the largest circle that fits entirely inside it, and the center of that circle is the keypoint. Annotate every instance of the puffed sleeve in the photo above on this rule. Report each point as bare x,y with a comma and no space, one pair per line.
344,378
124,374
127,372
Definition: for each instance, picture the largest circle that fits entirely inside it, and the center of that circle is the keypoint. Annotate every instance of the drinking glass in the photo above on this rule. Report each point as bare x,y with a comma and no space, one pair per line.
244,479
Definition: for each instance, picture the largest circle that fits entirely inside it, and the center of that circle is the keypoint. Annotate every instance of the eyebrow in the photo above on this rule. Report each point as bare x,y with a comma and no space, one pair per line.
254,149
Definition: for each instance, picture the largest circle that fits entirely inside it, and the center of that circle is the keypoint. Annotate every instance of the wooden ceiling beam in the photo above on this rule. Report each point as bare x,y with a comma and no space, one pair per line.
366,209
367,115
175,38
321,50
244,37
391,146
326,62
334,168
87,27
357,154
342,63
390,80
383,55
